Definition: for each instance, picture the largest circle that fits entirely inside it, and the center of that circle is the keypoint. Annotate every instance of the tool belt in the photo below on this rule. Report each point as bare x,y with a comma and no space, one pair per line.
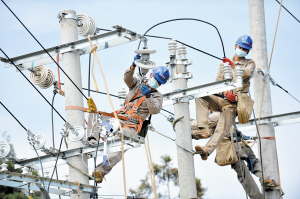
133,117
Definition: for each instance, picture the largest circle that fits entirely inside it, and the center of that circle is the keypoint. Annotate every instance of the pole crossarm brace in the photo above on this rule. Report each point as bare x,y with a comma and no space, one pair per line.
199,91
102,41
277,120
22,181
48,160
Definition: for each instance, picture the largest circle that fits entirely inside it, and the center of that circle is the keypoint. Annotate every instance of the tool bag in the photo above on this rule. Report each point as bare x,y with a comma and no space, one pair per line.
226,154
244,107
144,129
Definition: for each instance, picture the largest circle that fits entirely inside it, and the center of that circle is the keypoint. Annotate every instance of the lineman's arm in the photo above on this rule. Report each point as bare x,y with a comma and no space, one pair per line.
129,79
154,103
249,69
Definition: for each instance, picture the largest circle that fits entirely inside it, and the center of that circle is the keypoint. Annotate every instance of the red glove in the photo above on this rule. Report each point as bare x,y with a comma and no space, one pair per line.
230,96
227,60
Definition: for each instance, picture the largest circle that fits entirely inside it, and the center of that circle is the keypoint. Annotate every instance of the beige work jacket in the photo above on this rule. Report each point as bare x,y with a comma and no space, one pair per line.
248,66
151,105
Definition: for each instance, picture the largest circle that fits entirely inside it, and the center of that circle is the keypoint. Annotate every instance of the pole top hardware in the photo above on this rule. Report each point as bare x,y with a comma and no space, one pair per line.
91,106
66,16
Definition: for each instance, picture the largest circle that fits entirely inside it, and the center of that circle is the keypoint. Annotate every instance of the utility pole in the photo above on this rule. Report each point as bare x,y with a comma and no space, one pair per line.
71,64
260,56
179,76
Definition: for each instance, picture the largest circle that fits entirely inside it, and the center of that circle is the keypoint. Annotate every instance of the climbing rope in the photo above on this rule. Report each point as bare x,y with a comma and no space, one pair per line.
93,50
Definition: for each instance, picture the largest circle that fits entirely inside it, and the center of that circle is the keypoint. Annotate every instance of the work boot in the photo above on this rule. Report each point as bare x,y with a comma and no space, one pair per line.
200,150
202,133
270,183
99,177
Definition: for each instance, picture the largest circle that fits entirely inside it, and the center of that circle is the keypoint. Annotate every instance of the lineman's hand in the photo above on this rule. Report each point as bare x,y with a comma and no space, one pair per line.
145,90
230,96
138,56
227,60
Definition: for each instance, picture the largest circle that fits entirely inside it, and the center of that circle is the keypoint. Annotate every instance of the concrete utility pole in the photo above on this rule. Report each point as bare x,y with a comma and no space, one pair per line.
260,56
186,170
71,63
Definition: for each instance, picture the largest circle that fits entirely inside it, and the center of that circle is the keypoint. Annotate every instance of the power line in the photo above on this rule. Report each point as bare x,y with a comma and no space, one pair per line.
44,50
288,11
32,85
14,117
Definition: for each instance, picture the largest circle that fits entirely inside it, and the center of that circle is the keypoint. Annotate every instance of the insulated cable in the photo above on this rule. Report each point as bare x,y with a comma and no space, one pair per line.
14,117
188,19
288,11
43,49
32,85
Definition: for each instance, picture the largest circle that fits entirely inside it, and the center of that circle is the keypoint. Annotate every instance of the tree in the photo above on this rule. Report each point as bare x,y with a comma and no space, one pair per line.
166,174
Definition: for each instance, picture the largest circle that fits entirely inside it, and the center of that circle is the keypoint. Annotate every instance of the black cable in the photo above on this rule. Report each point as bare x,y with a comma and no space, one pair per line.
95,165
55,163
192,19
89,77
287,92
184,44
54,93
32,85
261,162
42,170
14,117
238,150
288,11
44,49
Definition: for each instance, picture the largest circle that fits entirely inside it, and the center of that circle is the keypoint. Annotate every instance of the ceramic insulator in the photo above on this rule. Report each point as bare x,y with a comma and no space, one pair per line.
172,47
48,82
238,72
4,167
88,25
25,170
226,70
122,94
181,51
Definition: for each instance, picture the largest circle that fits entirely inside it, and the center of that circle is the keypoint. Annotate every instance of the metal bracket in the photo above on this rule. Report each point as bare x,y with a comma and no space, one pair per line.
181,100
66,16
186,75
184,62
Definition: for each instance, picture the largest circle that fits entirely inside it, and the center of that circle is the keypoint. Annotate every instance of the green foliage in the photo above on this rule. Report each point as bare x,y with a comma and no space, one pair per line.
166,174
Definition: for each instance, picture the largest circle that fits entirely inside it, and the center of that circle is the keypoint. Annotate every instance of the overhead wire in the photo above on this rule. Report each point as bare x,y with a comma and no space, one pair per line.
288,11
32,85
43,49
43,180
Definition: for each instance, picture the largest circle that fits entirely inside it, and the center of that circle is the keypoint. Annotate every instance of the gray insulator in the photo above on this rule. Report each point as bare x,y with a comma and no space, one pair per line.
226,70
238,72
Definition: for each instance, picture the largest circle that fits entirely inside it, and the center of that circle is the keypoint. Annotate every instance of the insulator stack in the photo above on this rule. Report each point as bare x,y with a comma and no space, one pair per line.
226,70
45,77
172,47
238,72
181,51
122,94
87,25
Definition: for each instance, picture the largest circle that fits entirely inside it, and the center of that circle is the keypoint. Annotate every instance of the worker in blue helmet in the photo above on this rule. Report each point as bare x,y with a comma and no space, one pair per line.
200,128
142,101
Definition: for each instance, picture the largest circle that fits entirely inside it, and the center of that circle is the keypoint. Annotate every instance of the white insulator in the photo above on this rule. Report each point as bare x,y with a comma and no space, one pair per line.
4,150
4,167
122,94
38,79
88,25
181,51
238,72
226,70
144,62
172,46
48,81
25,170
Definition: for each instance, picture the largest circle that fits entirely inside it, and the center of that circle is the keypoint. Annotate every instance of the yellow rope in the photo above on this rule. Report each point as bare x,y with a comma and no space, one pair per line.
151,170
263,96
116,116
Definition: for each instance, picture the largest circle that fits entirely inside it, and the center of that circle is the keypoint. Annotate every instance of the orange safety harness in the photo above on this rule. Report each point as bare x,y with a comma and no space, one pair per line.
130,112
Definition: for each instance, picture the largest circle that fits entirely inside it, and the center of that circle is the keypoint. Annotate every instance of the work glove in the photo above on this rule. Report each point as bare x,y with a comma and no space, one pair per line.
227,60
230,96
145,90
138,56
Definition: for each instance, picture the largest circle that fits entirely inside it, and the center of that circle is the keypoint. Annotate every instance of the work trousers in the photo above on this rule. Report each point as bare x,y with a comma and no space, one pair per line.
243,173
114,158
225,122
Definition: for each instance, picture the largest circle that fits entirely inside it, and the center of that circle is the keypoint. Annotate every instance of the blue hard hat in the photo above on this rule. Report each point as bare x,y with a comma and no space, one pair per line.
245,41
161,74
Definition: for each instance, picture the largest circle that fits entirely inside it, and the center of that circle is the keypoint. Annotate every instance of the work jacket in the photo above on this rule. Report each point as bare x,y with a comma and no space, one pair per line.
248,66
151,105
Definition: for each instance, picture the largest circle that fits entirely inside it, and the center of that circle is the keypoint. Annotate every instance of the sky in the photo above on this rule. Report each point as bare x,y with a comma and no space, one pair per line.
230,17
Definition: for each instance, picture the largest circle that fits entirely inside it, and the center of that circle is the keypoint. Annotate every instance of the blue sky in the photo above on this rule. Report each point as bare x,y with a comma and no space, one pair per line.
232,19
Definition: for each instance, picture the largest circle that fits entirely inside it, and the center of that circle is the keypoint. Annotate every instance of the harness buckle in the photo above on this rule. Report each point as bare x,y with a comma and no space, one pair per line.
136,121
